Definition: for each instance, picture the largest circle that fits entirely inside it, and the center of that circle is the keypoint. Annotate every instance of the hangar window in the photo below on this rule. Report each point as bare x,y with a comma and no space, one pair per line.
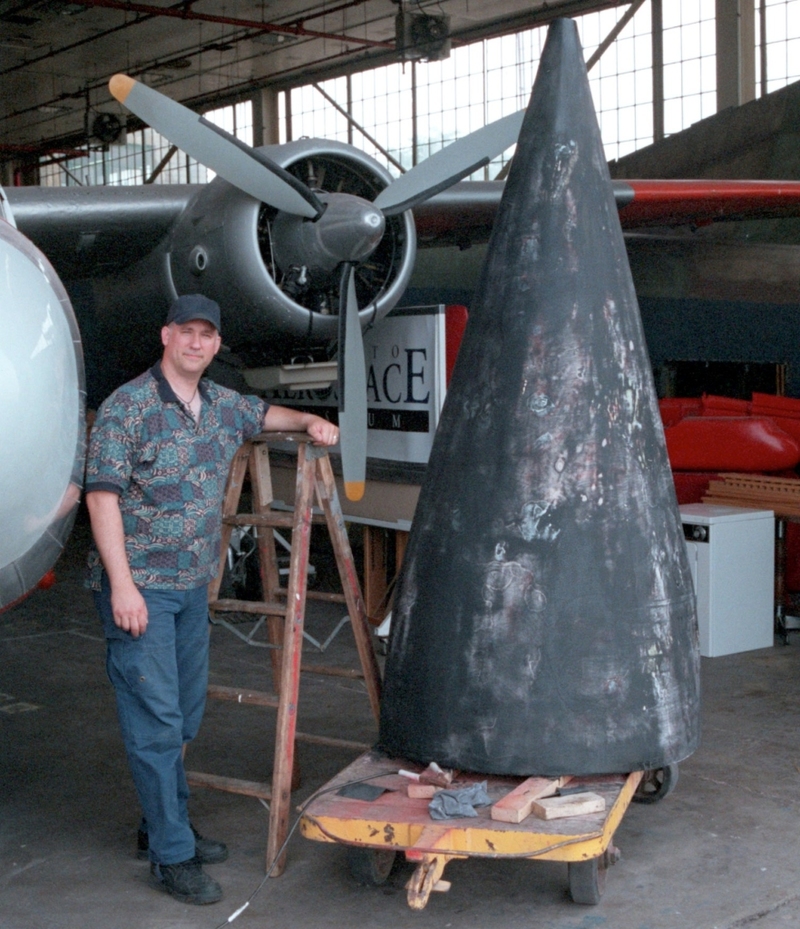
621,78
690,78
414,110
144,157
778,44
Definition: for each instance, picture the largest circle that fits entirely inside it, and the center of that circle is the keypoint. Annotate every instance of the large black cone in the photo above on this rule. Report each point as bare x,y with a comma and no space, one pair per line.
544,621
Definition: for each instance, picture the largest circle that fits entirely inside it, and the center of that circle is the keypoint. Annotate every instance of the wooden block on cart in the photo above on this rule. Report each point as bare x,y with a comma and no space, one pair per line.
572,805
419,791
516,806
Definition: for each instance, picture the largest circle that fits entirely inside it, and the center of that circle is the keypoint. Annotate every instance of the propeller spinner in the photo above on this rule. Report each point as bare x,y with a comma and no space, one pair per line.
326,234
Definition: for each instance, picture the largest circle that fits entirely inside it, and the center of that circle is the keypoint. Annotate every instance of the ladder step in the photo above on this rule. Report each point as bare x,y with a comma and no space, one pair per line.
332,672
266,520
232,785
327,596
247,606
336,743
241,695
275,518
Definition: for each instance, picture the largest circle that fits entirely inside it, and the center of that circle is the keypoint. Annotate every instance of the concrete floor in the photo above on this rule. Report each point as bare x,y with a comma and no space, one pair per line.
721,851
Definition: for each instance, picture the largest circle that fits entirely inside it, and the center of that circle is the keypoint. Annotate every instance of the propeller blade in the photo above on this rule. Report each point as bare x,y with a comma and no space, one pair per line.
352,390
253,173
449,165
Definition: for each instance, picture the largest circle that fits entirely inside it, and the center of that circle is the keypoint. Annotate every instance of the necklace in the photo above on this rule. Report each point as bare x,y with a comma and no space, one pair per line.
187,403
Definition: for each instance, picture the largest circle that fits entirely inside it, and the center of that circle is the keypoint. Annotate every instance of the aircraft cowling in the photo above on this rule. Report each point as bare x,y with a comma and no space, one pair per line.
224,246
42,423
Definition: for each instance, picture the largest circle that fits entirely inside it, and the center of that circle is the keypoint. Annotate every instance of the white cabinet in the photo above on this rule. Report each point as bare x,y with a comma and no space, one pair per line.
732,557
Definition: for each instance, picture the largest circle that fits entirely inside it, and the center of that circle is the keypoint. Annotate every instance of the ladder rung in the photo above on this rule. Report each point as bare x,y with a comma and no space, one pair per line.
332,672
232,785
336,743
240,695
284,520
325,595
247,606
274,518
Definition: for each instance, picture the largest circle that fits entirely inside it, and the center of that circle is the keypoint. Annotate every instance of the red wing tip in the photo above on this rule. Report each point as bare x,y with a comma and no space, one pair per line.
354,490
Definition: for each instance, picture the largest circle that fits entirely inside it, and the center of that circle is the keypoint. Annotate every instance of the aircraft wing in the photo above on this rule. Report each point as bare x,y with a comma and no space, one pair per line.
138,246
94,231
464,214
698,202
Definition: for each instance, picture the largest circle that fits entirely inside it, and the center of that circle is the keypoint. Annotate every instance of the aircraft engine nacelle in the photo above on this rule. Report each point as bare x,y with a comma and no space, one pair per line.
42,426
272,273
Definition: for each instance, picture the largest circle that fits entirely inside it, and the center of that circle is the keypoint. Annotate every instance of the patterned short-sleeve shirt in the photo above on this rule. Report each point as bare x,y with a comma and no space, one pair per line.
170,474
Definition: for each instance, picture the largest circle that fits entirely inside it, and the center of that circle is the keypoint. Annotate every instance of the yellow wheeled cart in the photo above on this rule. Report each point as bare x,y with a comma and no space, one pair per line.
376,829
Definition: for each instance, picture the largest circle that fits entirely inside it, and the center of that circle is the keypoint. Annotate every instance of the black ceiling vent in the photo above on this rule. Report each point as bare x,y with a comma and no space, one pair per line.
422,37
107,128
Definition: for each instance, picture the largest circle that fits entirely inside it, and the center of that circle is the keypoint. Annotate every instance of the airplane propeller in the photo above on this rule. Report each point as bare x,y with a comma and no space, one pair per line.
347,228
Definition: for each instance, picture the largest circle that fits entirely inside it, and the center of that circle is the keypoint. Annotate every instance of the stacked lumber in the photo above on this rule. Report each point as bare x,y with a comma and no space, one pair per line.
755,491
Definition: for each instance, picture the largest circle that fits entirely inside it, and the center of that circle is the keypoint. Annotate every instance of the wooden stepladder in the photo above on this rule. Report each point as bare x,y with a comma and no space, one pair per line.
284,609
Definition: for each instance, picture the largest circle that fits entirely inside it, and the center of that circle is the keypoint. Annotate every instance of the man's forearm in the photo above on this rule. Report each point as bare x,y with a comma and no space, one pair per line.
109,535
285,419
127,603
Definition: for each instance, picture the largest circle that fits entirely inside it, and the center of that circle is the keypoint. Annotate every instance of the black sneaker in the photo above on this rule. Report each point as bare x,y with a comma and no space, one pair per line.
187,882
207,851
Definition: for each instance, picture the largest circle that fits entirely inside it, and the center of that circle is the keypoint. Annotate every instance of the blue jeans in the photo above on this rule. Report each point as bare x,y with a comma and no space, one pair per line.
160,679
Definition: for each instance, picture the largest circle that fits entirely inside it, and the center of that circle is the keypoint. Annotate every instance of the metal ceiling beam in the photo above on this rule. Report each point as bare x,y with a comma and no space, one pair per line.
296,29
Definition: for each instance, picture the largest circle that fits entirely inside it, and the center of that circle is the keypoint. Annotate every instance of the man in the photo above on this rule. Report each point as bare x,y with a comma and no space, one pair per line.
157,464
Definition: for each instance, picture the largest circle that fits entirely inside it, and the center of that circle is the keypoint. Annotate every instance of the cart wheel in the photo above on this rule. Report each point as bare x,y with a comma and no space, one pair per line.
370,866
656,784
587,880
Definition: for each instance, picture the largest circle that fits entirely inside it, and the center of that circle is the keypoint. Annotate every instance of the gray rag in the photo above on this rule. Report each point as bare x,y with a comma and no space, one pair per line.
451,804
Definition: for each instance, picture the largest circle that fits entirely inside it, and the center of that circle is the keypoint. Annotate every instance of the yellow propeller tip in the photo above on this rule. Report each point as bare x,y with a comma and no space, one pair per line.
120,86
354,490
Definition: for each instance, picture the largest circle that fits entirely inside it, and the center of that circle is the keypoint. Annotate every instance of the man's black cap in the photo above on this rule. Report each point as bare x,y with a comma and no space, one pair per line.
194,306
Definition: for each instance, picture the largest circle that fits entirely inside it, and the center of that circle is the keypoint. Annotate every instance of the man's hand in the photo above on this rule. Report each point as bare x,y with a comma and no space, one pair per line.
129,609
323,432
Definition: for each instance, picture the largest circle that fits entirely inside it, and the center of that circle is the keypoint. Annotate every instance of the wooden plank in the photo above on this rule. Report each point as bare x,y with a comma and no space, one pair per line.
375,573
400,544
779,507
763,502
572,805
764,479
516,806
752,493
233,490
261,486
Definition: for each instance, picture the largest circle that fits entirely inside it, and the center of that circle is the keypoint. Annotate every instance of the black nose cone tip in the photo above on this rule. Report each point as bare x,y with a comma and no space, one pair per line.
544,622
